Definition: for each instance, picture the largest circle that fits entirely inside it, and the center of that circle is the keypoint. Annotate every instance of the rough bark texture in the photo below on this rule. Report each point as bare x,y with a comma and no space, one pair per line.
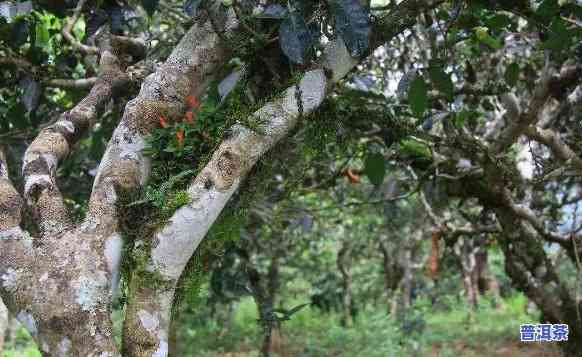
4,321
174,244
59,285
192,64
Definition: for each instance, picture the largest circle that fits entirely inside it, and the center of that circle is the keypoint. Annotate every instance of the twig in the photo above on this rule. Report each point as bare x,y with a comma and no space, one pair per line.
89,50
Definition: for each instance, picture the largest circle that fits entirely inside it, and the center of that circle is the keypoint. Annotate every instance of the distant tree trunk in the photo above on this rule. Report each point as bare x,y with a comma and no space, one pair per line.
473,257
466,251
4,321
485,281
407,279
265,295
343,257
392,271
407,256
272,340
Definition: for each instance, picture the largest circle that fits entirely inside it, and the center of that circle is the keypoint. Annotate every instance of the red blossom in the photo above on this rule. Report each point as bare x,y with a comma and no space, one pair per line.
163,122
180,137
192,101
189,117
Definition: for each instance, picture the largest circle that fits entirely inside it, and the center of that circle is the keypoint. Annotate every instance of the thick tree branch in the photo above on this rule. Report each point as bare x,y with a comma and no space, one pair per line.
82,83
54,143
10,200
174,244
453,231
124,168
559,149
517,120
60,289
24,65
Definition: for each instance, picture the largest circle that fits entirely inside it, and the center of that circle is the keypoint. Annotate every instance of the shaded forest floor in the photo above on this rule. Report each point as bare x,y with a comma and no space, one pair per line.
493,330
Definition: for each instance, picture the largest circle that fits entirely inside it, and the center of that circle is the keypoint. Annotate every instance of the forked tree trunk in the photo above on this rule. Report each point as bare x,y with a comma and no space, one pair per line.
4,321
60,284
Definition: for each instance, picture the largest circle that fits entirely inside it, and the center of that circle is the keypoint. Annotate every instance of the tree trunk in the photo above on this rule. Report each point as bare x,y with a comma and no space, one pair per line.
60,284
4,321
407,279
528,266
272,341
466,254
264,290
343,265
409,247
392,270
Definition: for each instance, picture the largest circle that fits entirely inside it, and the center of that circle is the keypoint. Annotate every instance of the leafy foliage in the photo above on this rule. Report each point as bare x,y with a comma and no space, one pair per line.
417,96
352,23
296,38
375,168
512,74
150,6
441,80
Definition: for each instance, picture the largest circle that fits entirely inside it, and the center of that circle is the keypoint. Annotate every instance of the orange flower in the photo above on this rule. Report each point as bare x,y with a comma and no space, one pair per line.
189,117
192,101
180,137
352,176
163,122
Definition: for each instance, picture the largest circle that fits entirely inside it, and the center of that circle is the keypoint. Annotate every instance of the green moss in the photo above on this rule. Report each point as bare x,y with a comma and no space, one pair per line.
175,163
178,199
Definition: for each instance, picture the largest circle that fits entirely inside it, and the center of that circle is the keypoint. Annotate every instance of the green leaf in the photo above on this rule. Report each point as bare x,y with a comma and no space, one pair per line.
498,22
417,96
32,91
42,37
79,29
483,36
559,37
295,38
375,168
512,74
442,81
150,6
461,117
547,10
352,23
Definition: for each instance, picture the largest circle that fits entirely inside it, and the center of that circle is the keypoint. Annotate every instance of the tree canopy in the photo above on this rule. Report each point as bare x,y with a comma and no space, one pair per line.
154,154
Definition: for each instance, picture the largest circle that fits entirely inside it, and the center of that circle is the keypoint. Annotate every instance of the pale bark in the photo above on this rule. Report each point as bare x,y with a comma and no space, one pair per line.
193,63
4,321
60,289
559,149
174,244
60,284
